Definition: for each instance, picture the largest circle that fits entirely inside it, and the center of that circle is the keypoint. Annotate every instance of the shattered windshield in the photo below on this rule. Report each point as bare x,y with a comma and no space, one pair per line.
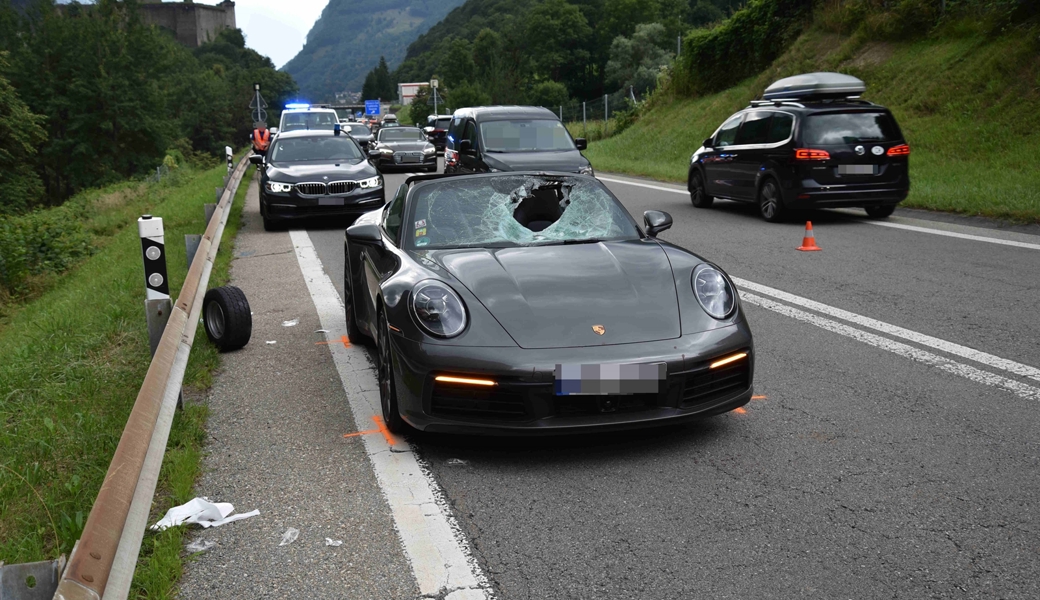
516,210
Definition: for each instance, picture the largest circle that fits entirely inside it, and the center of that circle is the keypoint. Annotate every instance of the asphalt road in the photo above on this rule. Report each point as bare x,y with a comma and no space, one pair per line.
877,463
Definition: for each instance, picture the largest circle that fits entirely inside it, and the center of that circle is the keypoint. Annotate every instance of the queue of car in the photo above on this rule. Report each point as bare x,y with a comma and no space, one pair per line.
515,294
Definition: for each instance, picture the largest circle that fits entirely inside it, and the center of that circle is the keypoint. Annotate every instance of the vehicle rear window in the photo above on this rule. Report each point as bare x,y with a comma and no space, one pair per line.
755,128
780,128
442,123
850,128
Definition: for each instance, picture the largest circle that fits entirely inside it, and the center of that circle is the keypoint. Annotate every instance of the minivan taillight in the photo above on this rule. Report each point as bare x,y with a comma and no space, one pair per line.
900,150
810,154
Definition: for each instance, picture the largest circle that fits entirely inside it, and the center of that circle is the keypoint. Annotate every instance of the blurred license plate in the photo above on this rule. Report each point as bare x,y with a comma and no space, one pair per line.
599,379
330,201
857,169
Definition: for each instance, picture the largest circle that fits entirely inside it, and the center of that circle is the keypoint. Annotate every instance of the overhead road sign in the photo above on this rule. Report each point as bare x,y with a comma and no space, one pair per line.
371,107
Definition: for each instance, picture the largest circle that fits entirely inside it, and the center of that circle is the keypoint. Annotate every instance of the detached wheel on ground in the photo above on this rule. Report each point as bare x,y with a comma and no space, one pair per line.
698,195
226,316
385,376
770,204
880,212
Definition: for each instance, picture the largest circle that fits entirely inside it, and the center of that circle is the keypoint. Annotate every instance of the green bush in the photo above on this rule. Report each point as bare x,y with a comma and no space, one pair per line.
45,241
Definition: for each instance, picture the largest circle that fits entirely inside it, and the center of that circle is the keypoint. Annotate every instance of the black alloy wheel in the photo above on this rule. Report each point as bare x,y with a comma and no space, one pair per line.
385,376
354,334
880,212
770,204
698,195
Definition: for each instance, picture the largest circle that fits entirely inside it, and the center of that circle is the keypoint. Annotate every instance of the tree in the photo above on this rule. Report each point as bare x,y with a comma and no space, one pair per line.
378,83
421,106
20,134
549,94
458,66
563,33
468,94
636,61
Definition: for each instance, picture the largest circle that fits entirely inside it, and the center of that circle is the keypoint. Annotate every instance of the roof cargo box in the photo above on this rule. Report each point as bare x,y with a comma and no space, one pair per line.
814,85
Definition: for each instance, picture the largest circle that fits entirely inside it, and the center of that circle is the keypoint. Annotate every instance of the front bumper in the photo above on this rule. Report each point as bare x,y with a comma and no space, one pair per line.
294,206
523,402
383,162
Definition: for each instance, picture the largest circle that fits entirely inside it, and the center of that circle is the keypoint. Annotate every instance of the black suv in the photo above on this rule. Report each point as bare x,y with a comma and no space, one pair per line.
488,139
437,130
810,143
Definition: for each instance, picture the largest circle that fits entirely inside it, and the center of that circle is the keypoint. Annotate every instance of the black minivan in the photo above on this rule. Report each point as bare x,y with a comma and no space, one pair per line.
810,143
488,139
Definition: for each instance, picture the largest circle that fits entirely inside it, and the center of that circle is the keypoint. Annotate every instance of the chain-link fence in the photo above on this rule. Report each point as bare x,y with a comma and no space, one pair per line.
592,119
161,172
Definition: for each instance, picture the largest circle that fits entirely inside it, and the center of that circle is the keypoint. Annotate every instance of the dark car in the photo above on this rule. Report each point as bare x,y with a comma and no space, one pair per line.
810,143
360,132
316,173
533,303
437,130
403,147
489,139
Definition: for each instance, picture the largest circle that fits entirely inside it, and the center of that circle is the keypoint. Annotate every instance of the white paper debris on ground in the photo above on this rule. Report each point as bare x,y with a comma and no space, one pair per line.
202,512
272,341
289,536
456,462
333,543
200,546
292,323
321,331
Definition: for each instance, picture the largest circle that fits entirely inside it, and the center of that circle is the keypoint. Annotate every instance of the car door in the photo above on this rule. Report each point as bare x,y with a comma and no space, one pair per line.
380,260
470,162
718,167
749,153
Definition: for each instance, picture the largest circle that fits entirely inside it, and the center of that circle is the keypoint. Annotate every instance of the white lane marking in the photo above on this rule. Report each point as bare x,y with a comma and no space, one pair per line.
963,236
894,330
1019,389
432,540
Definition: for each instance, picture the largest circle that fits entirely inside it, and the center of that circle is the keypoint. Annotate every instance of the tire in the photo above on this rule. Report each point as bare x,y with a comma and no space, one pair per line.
354,334
880,212
770,203
698,194
226,317
385,376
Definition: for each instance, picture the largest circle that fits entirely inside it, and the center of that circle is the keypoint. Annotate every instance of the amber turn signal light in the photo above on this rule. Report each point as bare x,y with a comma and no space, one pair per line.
463,380
729,359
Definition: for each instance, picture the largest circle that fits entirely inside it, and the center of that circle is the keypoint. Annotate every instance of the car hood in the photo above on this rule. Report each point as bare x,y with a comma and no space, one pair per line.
568,161
552,296
405,145
292,172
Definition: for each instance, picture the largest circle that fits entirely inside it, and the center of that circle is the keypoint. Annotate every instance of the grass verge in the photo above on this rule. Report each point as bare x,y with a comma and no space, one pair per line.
71,364
968,103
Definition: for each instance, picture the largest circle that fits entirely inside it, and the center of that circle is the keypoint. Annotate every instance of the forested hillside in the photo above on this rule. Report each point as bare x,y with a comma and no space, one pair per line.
350,36
92,95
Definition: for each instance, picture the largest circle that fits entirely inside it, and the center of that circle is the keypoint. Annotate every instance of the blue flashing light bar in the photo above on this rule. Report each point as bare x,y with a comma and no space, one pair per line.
292,105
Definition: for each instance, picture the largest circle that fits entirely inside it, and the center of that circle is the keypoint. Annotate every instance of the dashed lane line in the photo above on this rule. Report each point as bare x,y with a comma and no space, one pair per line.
922,356
894,330
433,542
915,228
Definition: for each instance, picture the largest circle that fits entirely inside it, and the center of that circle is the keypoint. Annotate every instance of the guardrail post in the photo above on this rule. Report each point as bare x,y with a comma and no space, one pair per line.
210,209
157,304
43,576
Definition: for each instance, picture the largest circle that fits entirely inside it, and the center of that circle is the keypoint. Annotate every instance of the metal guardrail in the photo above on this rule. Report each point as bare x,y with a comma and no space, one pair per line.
103,560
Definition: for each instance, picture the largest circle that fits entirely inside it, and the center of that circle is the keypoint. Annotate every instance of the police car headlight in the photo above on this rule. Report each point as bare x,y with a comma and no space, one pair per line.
714,292
438,309
279,188
586,171
372,182
429,149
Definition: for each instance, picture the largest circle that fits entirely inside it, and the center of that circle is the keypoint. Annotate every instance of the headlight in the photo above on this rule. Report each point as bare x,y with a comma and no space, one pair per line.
279,188
714,291
586,171
438,309
372,182
429,149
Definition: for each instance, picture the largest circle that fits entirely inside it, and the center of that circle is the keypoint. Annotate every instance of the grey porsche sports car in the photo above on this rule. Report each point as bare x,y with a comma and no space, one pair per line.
533,303
403,147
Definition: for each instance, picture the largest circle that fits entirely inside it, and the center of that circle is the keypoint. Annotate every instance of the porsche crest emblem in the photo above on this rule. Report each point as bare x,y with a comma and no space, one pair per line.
599,329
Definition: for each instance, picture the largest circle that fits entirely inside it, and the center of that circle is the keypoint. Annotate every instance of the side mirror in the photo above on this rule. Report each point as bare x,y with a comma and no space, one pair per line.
466,147
256,159
708,143
656,222
273,130
428,130
581,144
367,233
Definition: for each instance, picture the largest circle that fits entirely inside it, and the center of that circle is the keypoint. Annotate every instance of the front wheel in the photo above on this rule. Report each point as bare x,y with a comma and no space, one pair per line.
698,195
385,375
880,212
770,204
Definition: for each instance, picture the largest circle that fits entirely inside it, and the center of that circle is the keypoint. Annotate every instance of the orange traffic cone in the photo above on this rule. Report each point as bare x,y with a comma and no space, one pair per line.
809,241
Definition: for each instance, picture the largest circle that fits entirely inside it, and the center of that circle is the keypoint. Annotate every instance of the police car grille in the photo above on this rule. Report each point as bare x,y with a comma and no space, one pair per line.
311,189
342,187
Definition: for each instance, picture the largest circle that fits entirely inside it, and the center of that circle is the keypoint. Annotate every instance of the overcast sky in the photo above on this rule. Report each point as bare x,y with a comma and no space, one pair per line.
275,28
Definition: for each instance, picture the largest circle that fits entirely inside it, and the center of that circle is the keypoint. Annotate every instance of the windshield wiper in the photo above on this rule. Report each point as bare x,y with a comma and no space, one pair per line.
569,242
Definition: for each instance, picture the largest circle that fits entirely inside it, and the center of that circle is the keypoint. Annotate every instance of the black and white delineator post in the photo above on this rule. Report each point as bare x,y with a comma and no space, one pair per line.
230,159
157,304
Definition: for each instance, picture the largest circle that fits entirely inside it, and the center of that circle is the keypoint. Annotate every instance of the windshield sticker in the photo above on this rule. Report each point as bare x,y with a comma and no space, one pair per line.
423,241
420,232
420,223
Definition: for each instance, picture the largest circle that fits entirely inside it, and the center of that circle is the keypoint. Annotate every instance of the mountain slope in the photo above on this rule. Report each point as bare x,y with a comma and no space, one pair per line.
350,36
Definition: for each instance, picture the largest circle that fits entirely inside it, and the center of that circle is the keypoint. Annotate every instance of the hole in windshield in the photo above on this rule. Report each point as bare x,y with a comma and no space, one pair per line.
516,210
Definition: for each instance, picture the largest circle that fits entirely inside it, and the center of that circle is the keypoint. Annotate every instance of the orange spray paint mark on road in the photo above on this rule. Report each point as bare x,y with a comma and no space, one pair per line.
383,430
740,410
758,397
357,433
343,340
